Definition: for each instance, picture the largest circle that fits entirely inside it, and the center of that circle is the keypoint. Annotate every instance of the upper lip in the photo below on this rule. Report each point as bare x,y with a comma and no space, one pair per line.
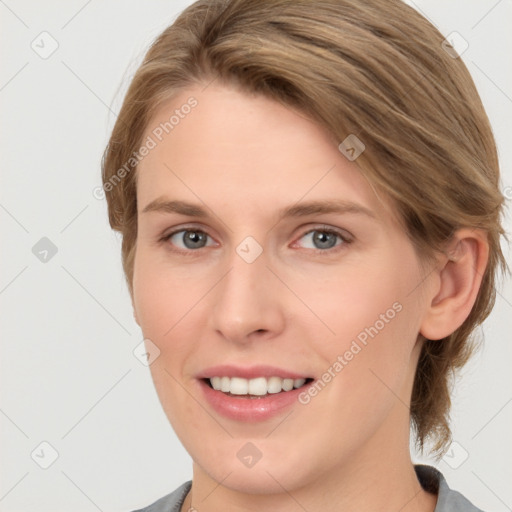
249,372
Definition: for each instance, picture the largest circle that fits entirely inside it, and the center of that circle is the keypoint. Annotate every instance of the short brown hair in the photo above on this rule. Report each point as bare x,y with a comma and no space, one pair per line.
376,69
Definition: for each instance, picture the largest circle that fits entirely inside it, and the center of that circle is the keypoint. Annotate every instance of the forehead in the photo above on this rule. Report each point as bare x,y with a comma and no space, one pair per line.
231,147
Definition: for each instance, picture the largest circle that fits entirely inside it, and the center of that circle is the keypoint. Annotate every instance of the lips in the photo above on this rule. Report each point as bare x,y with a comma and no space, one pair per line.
251,394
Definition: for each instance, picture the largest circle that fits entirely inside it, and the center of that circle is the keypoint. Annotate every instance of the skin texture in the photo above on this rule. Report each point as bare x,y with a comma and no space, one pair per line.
243,158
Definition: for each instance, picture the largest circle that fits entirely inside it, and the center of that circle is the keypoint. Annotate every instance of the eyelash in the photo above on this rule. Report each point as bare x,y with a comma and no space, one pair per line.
325,252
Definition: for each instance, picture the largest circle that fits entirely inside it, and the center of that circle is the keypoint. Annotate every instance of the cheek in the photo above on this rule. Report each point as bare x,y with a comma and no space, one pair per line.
367,363
165,304
373,319
358,301
163,296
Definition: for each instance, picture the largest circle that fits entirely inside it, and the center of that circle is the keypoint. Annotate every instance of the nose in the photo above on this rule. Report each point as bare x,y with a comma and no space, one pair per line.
248,302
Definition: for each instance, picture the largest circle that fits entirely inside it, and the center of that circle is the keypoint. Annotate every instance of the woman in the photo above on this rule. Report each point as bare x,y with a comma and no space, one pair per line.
309,203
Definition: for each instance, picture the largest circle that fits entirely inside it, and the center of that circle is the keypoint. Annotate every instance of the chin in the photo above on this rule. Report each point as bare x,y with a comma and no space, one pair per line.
269,472
262,480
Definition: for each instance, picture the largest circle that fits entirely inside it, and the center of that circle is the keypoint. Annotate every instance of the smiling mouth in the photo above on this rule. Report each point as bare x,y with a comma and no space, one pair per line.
258,387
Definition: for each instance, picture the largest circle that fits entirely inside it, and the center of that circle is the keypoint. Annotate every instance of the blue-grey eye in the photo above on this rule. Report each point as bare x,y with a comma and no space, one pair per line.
321,239
189,239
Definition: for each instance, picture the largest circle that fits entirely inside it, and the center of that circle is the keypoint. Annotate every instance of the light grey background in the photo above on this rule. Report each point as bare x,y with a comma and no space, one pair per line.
68,374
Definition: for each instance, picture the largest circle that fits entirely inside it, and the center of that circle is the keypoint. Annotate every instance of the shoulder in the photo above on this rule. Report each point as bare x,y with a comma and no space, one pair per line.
448,500
172,502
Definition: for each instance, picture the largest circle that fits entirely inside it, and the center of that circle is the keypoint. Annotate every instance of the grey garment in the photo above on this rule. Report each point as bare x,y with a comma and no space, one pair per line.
171,502
429,477
447,500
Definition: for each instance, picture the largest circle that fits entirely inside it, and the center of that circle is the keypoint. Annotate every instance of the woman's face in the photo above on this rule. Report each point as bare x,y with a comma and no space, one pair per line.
267,261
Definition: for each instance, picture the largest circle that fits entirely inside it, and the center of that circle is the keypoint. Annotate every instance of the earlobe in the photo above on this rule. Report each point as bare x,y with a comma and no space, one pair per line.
459,278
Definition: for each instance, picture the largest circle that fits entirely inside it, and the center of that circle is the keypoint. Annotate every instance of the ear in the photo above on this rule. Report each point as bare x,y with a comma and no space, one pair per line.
459,277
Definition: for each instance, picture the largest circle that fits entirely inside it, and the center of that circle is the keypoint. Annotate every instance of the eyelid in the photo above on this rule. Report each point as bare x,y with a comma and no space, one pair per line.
343,233
177,229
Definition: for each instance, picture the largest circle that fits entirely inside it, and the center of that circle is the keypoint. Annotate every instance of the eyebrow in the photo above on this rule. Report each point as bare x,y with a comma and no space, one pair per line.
163,205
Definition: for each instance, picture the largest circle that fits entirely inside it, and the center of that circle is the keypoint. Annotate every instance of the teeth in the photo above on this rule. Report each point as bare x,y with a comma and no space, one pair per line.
287,384
239,386
259,386
274,385
216,383
225,384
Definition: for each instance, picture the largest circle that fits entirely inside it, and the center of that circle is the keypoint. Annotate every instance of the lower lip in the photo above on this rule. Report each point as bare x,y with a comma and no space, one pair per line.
250,409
